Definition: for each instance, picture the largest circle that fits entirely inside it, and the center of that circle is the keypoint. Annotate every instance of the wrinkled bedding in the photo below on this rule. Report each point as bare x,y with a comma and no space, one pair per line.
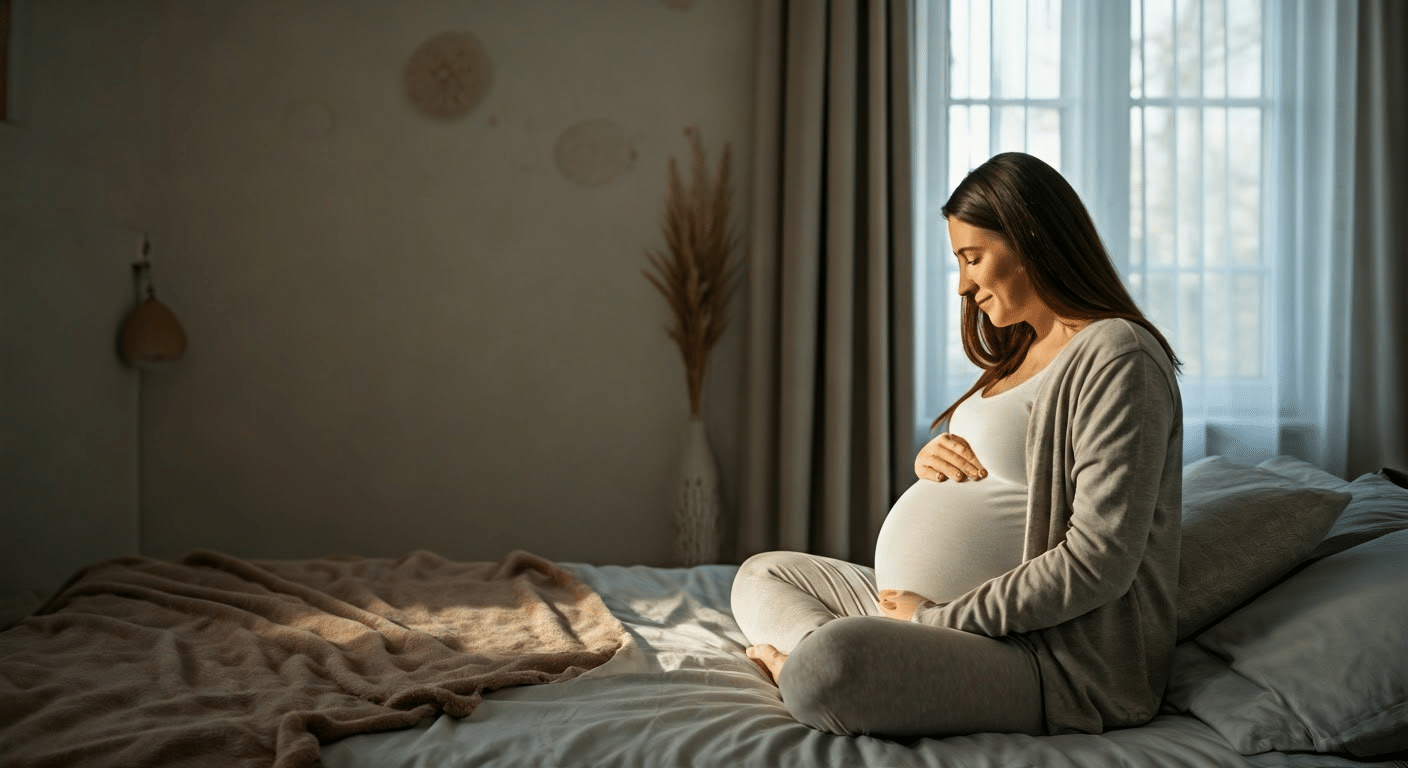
214,660
683,693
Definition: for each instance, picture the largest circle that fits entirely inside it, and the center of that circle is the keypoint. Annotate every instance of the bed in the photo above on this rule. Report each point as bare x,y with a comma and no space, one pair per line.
1296,654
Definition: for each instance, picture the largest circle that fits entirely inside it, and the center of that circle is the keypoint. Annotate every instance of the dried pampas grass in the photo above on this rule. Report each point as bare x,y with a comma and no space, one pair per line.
695,273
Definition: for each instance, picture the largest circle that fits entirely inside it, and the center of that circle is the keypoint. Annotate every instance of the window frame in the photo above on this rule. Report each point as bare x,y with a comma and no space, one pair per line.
1097,105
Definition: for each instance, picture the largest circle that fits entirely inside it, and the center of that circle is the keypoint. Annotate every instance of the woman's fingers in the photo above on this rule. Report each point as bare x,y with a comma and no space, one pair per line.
948,456
927,471
927,468
898,604
960,454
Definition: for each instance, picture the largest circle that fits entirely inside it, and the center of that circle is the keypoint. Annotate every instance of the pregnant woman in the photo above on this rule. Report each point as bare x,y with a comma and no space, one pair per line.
1026,582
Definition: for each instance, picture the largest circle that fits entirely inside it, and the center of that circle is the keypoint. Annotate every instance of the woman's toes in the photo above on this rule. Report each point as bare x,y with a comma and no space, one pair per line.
769,659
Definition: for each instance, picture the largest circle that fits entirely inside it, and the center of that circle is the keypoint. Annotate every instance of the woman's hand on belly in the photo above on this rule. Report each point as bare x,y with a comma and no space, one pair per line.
899,604
948,456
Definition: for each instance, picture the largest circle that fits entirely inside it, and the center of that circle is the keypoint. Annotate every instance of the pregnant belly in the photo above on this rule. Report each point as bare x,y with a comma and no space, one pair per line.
942,539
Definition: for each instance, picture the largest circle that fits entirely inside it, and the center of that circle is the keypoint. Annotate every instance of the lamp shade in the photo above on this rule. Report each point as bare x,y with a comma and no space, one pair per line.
152,336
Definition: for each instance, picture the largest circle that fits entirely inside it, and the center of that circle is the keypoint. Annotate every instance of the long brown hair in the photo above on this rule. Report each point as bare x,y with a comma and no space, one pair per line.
1034,208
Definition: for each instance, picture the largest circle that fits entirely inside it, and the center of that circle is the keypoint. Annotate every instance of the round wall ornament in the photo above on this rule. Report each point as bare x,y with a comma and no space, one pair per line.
593,152
448,75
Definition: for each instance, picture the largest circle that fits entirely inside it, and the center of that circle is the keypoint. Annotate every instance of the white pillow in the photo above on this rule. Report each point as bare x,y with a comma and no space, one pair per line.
1379,507
1318,663
1243,528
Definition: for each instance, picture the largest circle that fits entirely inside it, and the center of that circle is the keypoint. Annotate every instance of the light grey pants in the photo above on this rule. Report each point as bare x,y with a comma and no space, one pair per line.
852,670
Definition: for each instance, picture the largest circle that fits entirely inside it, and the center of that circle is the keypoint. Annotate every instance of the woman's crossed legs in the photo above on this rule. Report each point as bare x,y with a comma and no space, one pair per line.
849,670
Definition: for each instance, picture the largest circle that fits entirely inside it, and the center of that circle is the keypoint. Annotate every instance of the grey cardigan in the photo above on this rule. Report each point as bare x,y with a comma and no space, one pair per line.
1095,596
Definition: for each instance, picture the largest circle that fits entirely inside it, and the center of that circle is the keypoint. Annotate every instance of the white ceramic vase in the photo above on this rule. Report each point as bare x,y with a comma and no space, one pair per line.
697,506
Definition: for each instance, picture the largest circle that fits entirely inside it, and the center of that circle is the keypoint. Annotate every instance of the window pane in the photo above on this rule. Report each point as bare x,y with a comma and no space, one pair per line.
1137,235
1247,315
1189,335
1188,36
961,54
1214,49
1044,49
1161,305
1136,50
1157,47
968,141
1034,130
1044,137
1189,183
1217,304
1244,185
1011,129
969,31
1244,35
1160,165
1215,185
1136,288
1009,48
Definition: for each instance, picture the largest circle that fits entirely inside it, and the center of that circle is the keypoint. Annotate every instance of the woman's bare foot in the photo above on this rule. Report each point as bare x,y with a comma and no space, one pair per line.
770,659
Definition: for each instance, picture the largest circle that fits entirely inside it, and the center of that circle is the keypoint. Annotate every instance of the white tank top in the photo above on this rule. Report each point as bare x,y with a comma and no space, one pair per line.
942,539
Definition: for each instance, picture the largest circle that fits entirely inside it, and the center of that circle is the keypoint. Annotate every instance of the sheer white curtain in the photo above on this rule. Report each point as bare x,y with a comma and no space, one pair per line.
1212,142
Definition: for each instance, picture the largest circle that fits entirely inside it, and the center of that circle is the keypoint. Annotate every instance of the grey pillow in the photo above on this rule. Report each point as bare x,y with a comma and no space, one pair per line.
1243,528
1314,664
1379,507
1304,473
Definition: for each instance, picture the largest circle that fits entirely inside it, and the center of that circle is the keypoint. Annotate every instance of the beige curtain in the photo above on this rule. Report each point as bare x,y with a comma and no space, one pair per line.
830,384
1378,376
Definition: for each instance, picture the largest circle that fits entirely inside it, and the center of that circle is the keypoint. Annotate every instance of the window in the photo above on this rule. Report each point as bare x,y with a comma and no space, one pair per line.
1172,119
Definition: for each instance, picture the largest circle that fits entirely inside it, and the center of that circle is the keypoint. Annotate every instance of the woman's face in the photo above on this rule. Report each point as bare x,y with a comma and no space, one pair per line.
990,272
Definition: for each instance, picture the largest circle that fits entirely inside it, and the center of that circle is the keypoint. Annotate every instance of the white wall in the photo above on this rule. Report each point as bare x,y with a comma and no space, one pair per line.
407,333
75,189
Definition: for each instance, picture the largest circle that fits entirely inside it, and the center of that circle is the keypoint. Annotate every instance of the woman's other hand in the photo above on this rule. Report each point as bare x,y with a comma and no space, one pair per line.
898,604
948,456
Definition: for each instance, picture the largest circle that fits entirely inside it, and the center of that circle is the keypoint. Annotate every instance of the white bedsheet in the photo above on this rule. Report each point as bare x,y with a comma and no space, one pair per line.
686,695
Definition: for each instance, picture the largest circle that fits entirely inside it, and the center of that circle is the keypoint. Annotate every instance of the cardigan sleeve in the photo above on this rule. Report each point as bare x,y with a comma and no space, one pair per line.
1119,418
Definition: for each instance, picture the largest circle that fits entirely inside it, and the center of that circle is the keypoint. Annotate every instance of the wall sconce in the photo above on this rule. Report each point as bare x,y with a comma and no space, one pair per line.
151,336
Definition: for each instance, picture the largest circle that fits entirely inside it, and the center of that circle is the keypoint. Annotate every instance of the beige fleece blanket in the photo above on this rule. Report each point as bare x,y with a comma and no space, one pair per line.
215,660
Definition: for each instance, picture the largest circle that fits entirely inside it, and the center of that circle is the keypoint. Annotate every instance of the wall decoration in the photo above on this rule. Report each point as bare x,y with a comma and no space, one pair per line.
697,275
448,75
593,152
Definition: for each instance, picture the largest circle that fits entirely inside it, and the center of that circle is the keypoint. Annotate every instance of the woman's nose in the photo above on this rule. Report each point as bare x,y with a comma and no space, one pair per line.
966,286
